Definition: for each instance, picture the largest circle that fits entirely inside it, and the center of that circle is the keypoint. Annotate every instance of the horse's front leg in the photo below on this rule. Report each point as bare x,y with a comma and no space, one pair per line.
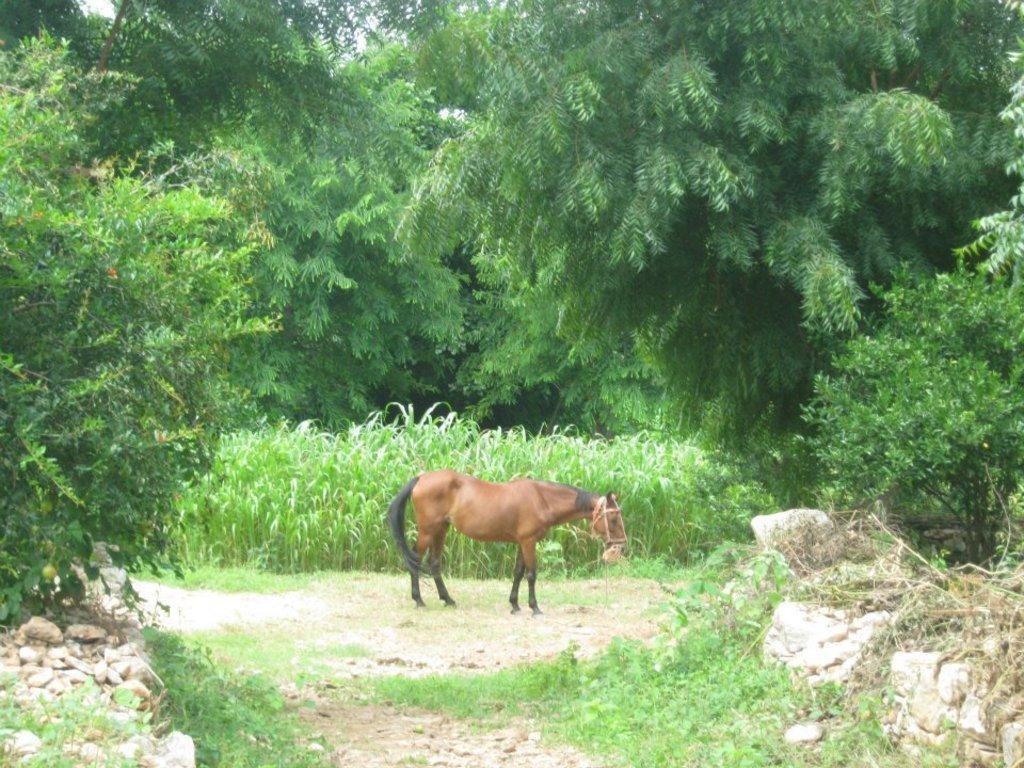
517,576
529,550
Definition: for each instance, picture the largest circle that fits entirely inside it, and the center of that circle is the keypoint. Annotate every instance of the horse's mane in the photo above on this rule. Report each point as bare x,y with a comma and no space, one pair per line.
584,499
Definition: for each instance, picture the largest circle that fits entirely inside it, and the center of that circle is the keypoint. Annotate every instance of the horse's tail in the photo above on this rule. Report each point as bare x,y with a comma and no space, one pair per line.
396,522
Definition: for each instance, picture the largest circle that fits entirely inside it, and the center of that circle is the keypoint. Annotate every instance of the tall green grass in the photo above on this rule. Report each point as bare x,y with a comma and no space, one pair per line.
299,499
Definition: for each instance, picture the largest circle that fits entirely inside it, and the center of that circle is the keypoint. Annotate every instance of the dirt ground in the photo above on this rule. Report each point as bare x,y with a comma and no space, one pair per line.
359,625
375,628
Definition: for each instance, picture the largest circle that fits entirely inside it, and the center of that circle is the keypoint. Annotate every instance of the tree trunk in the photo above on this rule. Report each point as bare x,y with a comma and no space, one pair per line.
115,29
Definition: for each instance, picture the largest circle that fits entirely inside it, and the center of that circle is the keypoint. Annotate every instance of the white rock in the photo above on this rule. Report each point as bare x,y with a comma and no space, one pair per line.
111,655
134,687
74,676
57,652
90,752
40,679
100,672
29,655
1012,738
82,666
954,682
911,670
930,713
176,751
23,743
113,678
804,733
769,530
972,718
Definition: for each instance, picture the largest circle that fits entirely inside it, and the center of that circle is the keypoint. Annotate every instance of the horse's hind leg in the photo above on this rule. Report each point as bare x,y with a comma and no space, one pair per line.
517,576
529,550
435,566
423,542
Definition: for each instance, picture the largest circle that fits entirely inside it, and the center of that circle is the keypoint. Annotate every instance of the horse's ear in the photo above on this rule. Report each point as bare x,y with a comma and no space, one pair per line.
611,497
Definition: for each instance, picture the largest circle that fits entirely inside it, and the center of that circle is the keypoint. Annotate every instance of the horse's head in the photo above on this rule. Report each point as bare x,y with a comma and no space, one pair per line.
606,524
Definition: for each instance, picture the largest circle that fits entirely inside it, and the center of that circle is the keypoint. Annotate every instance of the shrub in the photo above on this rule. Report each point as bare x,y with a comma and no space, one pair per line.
118,296
931,407
300,499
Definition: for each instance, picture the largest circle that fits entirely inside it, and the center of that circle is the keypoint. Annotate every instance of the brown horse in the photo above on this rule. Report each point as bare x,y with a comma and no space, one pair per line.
520,512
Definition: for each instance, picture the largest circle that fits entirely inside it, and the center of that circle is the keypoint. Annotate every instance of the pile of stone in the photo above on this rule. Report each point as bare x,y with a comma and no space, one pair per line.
821,644
49,662
935,697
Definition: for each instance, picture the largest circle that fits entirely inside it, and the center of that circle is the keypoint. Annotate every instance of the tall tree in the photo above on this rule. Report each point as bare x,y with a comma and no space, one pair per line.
722,180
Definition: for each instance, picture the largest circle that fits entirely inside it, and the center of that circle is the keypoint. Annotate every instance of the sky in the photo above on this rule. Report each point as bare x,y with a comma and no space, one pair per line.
104,7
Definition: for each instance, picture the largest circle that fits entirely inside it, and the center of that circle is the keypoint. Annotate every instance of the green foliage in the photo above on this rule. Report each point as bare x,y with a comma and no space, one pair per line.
236,721
362,319
716,182
295,500
119,297
932,405
1003,233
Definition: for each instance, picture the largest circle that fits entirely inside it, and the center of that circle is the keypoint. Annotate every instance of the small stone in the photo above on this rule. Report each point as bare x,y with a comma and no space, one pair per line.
74,676
100,672
177,751
111,655
86,633
1012,738
81,666
910,670
804,733
39,679
954,682
113,678
58,652
29,655
930,713
314,747
24,743
56,687
43,630
972,718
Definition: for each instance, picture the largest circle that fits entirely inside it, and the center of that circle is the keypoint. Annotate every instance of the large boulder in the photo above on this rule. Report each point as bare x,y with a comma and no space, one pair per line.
42,630
771,530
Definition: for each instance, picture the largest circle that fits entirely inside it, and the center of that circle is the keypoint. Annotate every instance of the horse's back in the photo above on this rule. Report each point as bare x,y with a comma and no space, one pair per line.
478,508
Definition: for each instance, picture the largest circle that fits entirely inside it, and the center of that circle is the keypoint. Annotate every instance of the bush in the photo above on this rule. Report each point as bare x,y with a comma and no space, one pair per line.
931,407
118,297
301,499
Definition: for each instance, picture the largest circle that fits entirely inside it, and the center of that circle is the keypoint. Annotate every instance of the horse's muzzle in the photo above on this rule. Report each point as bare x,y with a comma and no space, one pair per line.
613,553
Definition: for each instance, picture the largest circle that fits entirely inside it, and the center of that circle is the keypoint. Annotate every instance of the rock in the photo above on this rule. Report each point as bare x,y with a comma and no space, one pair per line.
137,746
804,733
39,679
974,753
113,678
100,672
910,670
769,530
1012,739
972,719
74,676
930,713
86,633
23,743
82,666
58,652
176,751
90,753
29,655
954,682
43,630
111,655
795,626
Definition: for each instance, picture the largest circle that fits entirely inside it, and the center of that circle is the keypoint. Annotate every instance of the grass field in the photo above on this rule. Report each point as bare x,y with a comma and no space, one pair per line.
295,500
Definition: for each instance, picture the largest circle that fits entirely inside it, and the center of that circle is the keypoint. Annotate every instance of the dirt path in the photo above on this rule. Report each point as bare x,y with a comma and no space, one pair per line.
365,624
359,625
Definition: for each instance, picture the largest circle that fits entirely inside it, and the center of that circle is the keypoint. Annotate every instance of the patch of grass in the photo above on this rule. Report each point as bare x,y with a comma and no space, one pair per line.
237,721
295,500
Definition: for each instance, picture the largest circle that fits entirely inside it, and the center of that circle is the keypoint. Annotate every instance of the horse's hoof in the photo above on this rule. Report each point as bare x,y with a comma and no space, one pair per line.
450,603
515,609
420,604
538,612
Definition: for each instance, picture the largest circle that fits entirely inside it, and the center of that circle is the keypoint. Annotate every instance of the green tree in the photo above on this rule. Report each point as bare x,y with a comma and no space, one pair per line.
719,181
121,295
931,407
